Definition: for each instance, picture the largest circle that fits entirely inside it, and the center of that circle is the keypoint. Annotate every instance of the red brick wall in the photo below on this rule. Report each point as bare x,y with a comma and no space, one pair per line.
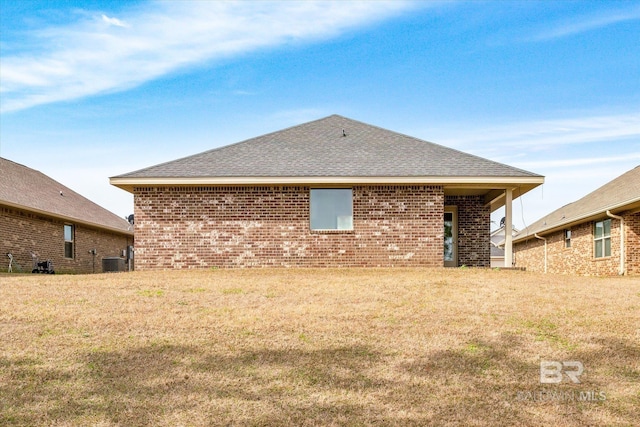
201,227
474,236
579,258
632,250
23,232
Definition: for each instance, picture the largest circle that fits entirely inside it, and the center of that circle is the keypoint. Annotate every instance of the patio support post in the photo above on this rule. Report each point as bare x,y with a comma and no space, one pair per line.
508,228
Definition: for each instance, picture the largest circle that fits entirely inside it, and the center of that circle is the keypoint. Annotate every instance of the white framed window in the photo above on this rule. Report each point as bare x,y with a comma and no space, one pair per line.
567,238
602,238
331,208
69,234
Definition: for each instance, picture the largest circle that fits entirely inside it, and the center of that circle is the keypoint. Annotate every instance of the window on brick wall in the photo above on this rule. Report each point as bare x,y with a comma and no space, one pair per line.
567,238
68,240
602,238
331,208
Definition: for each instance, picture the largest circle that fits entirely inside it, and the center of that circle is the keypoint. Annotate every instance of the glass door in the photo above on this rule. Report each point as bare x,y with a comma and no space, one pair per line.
450,237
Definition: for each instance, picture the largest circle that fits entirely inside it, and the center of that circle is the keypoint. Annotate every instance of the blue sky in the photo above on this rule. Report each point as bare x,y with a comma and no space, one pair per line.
92,89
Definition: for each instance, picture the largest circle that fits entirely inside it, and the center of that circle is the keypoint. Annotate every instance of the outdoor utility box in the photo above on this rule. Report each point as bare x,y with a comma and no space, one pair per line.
112,264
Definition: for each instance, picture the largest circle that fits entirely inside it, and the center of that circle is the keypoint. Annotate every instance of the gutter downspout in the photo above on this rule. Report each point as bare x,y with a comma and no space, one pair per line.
622,269
545,250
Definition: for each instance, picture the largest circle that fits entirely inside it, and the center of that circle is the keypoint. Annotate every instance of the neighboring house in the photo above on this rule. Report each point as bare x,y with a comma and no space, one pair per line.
497,246
332,192
596,235
41,216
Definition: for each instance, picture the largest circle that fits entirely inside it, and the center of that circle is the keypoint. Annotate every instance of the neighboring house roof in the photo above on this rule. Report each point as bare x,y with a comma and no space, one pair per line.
498,233
621,194
25,188
496,252
497,241
334,149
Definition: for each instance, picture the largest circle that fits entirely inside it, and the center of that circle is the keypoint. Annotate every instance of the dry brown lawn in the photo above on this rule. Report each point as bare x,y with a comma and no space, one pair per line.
317,347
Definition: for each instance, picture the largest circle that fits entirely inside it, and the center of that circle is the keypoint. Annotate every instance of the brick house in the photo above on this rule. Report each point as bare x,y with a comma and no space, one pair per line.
497,251
39,215
596,235
332,192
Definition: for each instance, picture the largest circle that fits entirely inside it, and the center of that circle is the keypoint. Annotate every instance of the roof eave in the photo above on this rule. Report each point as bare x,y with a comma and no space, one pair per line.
67,218
627,205
128,183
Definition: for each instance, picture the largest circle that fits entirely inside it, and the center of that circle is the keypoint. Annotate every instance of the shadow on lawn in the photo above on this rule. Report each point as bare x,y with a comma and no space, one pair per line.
488,386
171,384
145,385
268,387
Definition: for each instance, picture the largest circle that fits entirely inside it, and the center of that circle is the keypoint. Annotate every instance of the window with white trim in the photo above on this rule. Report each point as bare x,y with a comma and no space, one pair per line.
68,240
602,238
331,208
567,238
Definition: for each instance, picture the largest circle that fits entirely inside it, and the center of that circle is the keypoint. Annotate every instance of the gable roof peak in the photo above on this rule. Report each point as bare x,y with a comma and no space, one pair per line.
319,148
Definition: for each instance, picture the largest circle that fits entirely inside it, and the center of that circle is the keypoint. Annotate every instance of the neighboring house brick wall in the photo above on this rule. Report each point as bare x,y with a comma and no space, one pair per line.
23,232
632,250
578,259
200,227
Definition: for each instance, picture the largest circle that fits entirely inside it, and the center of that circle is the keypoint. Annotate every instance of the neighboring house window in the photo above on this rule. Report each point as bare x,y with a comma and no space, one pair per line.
567,238
68,240
331,208
602,238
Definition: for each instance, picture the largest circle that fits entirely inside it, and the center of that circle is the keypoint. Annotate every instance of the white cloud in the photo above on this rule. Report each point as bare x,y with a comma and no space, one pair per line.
114,21
568,163
543,134
585,24
89,57
576,155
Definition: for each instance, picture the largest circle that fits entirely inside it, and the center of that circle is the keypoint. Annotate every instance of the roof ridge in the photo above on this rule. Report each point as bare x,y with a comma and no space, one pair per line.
233,144
614,180
16,163
318,149
577,216
63,188
436,144
43,199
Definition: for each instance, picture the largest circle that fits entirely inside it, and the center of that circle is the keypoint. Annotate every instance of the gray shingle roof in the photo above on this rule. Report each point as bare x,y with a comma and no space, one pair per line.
31,190
496,251
617,195
319,148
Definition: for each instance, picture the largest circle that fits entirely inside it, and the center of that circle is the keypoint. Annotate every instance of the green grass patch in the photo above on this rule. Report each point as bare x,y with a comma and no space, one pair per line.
151,293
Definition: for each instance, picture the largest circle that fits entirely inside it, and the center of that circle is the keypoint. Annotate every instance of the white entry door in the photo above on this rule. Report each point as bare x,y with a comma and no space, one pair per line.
450,236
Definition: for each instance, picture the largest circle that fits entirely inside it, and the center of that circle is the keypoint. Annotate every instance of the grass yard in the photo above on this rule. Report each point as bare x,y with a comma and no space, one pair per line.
317,347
